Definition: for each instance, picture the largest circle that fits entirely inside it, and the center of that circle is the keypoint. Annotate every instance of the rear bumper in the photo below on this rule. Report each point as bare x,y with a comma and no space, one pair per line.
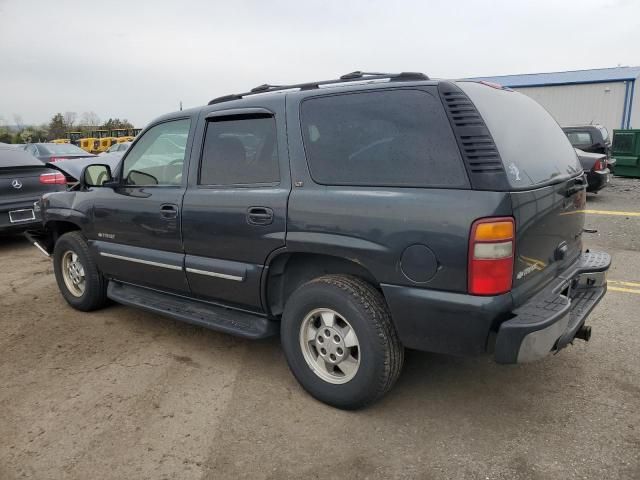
445,322
597,180
6,225
462,324
550,320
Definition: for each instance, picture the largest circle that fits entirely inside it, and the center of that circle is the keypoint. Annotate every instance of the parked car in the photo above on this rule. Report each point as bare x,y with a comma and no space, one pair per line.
54,152
357,217
72,168
23,179
117,148
595,167
592,139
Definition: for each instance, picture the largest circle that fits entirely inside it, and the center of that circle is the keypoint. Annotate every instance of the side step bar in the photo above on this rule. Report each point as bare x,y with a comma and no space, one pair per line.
188,310
40,240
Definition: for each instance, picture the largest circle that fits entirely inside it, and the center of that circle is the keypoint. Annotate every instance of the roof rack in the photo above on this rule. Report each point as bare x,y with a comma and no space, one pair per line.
348,77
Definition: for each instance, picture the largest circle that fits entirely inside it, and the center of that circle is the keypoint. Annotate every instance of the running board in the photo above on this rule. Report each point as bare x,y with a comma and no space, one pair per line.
188,310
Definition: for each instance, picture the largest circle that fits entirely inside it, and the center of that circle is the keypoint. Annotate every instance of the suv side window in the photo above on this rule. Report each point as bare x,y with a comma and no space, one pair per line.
157,158
240,151
396,138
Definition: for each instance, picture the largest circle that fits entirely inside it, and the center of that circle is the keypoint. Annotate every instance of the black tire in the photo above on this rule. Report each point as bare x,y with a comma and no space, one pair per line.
380,352
95,285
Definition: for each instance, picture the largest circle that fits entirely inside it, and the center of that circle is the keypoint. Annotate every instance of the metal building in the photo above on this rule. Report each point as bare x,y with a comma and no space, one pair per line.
605,95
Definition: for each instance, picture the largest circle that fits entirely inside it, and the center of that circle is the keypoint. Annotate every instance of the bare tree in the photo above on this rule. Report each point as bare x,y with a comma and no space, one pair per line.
17,121
89,119
70,119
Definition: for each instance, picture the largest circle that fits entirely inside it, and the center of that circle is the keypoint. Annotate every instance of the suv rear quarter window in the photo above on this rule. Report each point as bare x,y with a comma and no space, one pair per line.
398,138
533,147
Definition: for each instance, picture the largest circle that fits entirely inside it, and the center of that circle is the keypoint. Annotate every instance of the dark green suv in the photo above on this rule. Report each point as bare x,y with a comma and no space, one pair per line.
357,217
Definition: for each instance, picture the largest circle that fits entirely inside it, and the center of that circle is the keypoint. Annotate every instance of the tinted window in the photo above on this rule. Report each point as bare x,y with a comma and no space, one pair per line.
604,132
533,147
240,151
579,138
158,157
389,138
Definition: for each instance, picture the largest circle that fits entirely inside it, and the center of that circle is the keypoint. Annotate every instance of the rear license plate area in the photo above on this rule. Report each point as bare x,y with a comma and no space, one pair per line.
17,216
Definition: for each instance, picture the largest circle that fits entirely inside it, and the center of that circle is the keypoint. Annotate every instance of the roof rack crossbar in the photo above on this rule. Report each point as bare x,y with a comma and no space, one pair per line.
348,77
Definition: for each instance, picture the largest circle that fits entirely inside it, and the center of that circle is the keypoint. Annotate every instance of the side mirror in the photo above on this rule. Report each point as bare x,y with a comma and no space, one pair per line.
96,176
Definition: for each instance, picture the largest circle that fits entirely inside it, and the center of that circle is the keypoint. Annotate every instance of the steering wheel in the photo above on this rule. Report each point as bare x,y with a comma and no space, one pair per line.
166,170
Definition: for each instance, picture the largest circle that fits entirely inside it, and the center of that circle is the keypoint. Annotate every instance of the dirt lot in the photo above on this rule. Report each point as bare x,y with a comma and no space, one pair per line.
122,394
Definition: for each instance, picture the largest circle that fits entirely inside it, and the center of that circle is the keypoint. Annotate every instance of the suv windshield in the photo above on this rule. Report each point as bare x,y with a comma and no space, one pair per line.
533,147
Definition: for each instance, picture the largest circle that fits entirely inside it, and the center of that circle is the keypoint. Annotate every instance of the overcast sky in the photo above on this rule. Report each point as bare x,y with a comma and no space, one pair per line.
137,60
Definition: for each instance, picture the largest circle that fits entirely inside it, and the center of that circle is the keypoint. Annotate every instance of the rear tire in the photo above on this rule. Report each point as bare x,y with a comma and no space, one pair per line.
79,280
340,342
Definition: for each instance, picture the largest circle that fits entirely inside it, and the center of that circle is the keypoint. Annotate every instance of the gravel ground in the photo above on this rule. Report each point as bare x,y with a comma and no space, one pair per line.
120,393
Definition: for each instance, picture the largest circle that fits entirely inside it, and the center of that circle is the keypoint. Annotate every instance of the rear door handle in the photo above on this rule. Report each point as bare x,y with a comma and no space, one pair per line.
259,215
169,210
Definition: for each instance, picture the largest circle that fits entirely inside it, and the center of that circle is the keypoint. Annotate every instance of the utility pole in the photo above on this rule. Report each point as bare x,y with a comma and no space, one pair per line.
180,105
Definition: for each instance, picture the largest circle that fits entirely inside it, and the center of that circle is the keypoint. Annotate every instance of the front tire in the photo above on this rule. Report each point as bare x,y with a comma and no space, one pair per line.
340,342
79,280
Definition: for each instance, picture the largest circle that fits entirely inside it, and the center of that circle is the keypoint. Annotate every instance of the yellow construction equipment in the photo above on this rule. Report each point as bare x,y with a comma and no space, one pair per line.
100,140
73,137
121,135
103,141
91,142
87,143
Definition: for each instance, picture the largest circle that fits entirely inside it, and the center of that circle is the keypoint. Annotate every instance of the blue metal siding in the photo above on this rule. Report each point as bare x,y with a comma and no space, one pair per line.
599,75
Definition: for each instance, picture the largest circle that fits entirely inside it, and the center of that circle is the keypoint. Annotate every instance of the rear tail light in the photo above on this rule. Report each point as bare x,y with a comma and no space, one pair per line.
491,248
53,179
599,165
491,84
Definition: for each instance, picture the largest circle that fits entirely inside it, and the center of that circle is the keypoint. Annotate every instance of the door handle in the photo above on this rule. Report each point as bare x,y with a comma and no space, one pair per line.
169,210
260,215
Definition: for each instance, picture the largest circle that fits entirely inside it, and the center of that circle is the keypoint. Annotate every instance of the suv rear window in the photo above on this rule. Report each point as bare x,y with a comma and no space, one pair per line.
579,138
382,138
533,147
